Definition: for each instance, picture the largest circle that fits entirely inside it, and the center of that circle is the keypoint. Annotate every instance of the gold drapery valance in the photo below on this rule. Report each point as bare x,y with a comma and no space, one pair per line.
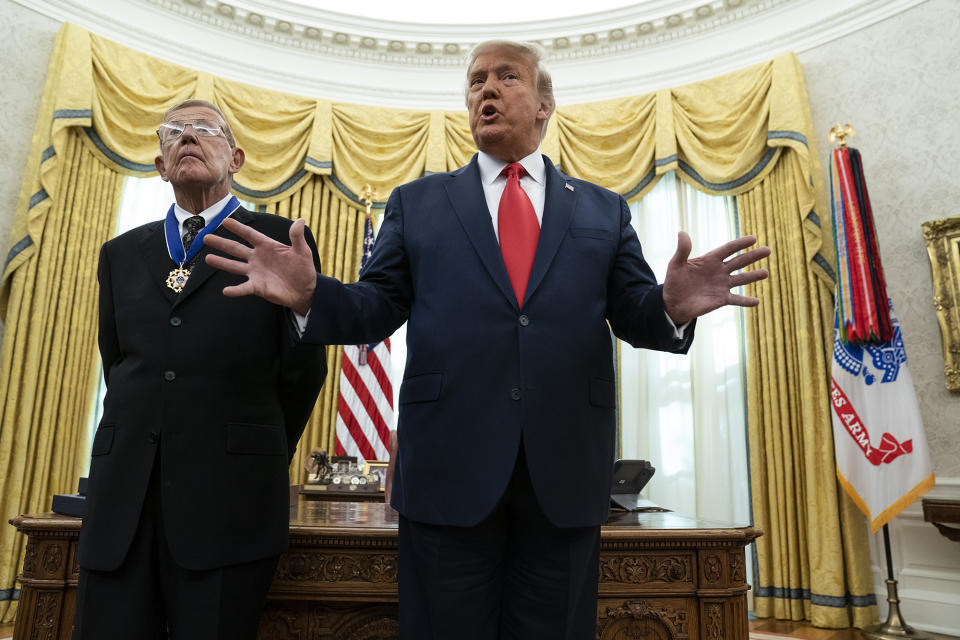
310,157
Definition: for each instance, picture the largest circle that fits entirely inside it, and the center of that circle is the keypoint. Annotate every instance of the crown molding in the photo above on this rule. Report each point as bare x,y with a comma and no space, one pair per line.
292,47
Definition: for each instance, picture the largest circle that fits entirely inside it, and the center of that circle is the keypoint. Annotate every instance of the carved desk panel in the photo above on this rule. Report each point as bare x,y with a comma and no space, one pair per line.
662,577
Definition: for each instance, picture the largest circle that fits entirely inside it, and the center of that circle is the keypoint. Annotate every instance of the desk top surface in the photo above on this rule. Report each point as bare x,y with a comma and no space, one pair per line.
376,519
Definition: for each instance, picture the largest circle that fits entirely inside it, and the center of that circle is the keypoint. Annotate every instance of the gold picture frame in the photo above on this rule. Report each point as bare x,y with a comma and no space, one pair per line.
378,467
943,247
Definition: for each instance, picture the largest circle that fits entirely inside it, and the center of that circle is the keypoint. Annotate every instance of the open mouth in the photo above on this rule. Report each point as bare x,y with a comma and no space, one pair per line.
488,112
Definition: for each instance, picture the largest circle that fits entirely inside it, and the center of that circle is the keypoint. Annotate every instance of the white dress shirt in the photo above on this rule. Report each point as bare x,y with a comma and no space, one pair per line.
534,184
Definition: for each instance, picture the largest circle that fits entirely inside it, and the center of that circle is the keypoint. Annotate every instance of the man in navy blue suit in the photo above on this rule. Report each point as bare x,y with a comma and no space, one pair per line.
511,276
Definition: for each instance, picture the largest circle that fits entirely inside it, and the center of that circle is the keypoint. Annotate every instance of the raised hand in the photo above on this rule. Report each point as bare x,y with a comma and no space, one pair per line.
696,286
278,273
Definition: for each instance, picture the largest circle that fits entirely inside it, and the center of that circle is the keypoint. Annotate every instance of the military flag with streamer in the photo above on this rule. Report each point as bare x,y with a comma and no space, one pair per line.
881,449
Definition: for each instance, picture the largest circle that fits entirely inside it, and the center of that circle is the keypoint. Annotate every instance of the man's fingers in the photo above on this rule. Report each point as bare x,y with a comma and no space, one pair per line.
297,241
736,245
226,264
684,245
248,233
748,277
239,290
228,246
746,259
742,301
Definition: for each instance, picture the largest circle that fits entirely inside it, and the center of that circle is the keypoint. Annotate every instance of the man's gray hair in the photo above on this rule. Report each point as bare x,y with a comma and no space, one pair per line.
196,102
533,52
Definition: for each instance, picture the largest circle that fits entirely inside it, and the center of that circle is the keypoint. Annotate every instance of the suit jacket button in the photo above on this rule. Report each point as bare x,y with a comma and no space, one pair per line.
515,394
154,437
175,321
524,320
169,376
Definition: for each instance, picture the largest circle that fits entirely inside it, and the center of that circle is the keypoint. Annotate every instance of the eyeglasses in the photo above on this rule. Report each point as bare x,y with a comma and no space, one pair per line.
172,130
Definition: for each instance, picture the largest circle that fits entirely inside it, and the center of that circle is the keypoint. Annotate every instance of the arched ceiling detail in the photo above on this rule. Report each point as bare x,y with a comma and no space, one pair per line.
292,46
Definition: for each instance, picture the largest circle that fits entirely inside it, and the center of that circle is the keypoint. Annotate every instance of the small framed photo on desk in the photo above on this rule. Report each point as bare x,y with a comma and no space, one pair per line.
377,468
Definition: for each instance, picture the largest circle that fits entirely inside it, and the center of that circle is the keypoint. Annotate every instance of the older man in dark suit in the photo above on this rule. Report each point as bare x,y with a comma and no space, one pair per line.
206,399
511,275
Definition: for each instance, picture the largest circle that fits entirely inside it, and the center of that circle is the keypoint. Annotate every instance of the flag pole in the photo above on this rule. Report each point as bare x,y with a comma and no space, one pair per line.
895,626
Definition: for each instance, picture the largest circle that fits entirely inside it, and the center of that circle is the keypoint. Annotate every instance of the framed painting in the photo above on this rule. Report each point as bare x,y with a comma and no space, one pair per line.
943,247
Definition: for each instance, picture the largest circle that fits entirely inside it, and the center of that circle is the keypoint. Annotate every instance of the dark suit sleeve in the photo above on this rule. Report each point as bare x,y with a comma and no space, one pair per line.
302,372
375,306
107,329
635,300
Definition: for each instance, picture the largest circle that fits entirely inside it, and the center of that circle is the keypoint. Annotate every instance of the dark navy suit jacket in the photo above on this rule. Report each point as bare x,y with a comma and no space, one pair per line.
482,373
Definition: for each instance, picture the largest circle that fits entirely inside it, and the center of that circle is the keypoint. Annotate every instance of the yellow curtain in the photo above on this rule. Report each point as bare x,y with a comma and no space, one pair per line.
813,560
50,362
746,134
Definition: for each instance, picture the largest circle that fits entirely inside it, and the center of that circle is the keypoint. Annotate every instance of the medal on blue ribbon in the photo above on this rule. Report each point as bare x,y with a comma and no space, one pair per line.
177,279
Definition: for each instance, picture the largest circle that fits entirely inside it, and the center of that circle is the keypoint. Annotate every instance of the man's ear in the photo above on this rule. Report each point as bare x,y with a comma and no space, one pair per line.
544,112
236,162
161,169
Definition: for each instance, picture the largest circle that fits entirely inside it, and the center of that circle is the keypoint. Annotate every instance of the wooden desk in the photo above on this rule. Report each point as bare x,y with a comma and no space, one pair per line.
662,576
943,513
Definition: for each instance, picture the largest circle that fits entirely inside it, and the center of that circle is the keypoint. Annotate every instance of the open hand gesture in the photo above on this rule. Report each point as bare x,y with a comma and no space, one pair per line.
284,275
694,287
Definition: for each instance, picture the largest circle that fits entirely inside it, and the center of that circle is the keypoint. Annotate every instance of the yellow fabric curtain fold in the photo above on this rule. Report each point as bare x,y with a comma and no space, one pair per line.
378,146
274,130
606,142
49,358
813,560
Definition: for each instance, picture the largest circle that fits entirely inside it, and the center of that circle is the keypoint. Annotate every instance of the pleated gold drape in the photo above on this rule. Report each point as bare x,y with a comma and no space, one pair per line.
806,570
49,363
745,134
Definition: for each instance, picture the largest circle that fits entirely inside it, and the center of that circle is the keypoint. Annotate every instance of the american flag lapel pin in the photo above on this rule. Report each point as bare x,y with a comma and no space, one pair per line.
569,186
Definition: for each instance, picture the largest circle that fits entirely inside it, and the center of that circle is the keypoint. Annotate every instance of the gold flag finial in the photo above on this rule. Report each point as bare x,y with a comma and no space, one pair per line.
839,133
367,194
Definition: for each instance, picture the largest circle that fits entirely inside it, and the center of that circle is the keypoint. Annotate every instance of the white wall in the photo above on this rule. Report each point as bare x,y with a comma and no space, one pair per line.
898,83
26,40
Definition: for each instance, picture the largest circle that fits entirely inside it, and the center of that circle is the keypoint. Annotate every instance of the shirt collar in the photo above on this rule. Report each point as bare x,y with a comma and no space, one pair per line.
208,213
491,167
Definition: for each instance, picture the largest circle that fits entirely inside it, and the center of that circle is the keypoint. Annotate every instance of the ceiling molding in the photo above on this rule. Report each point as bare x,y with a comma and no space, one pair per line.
287,46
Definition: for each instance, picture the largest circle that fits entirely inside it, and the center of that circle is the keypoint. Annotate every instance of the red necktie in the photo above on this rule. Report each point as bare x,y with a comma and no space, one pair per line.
519,230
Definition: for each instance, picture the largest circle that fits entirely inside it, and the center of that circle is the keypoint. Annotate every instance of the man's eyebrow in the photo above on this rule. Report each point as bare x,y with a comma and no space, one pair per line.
507,66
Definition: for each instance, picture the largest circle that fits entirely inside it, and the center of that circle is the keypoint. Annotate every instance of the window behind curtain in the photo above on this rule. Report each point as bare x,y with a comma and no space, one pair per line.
686,413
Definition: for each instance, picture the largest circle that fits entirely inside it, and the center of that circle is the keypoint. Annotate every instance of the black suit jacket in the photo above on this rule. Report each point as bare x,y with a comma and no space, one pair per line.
217,387
482,372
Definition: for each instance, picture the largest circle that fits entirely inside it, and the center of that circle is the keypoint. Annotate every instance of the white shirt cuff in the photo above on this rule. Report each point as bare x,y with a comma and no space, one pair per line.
299,322
677,331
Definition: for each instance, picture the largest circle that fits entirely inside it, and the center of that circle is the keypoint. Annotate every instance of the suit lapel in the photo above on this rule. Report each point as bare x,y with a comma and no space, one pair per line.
558,207
470,205
153,248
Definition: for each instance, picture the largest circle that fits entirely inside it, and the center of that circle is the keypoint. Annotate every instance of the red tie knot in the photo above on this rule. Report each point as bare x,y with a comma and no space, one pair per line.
514,170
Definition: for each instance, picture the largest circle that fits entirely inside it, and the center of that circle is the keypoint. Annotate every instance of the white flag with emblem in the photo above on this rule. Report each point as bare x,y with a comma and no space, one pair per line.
881,450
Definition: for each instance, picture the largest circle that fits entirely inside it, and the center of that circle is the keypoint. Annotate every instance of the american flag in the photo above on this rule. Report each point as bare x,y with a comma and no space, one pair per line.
365,407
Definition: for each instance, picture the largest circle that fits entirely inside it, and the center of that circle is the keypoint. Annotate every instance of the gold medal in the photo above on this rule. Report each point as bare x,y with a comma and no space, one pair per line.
177,279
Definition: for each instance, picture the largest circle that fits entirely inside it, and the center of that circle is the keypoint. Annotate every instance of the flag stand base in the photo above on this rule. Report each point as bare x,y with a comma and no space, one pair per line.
895,626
